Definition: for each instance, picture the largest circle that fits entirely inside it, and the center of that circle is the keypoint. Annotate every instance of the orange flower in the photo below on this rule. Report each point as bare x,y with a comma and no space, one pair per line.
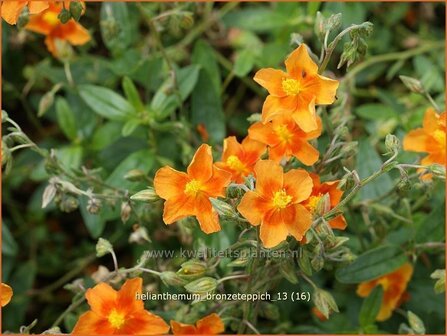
209,325
240,158
275,203
187,194
335,194
286,139
296,92
11,9
394,285
318,314
6,294
47,23
118,312
430,138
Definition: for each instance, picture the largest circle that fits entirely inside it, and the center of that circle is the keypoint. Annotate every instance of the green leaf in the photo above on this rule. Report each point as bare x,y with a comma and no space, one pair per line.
115,26
66,119
130,126
132,94
106,134
244,62
106,103
143,160
432,227
371,307
204,55
95,223
375,112
372,264
368,162
71,156
9,245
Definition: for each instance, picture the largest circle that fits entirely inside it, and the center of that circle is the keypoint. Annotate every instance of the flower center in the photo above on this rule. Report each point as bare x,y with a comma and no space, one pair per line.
51,18
116,319
291,86
439,136
234,163
281,199
283,133
193,187
312,203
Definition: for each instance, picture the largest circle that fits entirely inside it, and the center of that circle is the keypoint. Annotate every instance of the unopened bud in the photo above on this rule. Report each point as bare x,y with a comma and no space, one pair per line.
135,175
253,118
126,210
48,195
103,247
146,195
192,269
5,116
23,18
440,283
223,208
64,50
288,271
187,21
64,16
413,84
6,154
304,262
416,323
202,286
172,279
93,205
68,203
317,262
269,311
438,171
324,302
139,235
45,103
76,9
243,260
52,331
392,143
339,241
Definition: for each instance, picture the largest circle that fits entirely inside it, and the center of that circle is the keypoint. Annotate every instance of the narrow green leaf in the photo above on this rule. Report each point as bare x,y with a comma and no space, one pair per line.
371,307
66,119
372,264
132,94
130,126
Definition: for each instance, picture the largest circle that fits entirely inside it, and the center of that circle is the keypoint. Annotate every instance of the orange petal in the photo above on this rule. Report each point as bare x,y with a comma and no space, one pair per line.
271,79
298,220
299,61
183,329
210,325
338,222
275,106
127,300
315,133
91,323
273,229
263,133
11,10
75,33
305,116
231,147
269,177
170,183
38,25
101,298
35,7
51,45
365,288
178,208
306,153
6,294
415,141
253,150
206,215
431,119
144,323
277,153
298,184
215,186
327,89
253,207
201,166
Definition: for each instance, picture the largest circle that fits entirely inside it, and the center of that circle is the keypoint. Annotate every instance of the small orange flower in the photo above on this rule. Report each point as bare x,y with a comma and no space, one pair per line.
118,312
187,194
335,194
296,92
285,139
430,138
275,203
47,23
318,314
11,9
6,294
394,285
209,325
240,158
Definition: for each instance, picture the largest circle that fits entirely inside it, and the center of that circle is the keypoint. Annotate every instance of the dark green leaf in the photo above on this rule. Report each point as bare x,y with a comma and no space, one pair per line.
115,26
372,264
204,55
244,62
132,94
375,112
371,307
9,245
66,119
95,223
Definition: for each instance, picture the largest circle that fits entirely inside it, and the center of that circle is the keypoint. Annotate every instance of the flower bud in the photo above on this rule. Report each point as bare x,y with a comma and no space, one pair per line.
192,269
103,247
223,208
202,286
339,241
304,262
287,269
126,210
93,205
440,284
324,302
64,16
23,18
135,175
48,195
146,195
6,154
76,9
5,116
243,260
139,235
172,279
392,143
438,171
413,84
68,203
45,103
416,323
52,331
317,262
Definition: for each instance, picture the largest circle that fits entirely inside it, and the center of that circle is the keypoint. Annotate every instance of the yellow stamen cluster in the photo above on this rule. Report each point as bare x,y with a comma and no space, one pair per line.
283,133
116,319
234,163
313,203
439,136
281,199
51,18
291,86
192,187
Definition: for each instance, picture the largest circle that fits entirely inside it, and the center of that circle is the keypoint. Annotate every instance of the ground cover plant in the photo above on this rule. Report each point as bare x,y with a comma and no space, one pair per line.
206,168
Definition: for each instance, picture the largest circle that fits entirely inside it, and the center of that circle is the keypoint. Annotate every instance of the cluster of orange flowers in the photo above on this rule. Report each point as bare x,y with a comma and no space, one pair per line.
121,313
43,19
282,203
